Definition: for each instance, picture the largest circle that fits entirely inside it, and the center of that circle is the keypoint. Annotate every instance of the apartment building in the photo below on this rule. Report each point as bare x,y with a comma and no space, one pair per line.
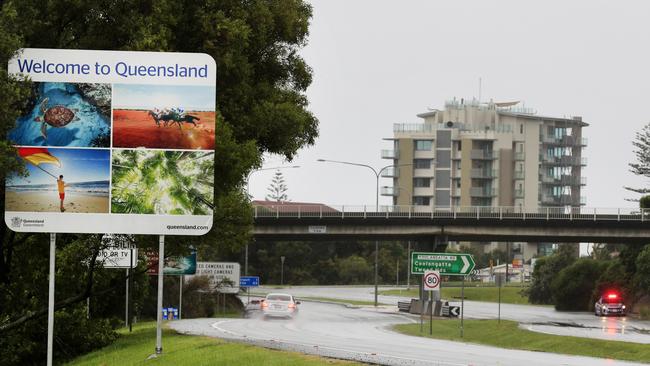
487,154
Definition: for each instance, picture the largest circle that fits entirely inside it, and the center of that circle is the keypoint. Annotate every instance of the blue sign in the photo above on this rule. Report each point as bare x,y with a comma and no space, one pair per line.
170,313
249,281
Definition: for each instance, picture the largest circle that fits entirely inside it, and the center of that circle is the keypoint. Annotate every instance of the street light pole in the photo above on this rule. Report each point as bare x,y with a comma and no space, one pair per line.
248,177
377,175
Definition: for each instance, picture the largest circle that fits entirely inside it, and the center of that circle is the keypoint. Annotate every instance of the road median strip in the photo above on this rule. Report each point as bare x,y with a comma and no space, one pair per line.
507,334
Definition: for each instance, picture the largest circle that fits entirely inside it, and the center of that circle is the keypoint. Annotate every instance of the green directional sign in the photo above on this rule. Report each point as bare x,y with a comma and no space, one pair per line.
448,264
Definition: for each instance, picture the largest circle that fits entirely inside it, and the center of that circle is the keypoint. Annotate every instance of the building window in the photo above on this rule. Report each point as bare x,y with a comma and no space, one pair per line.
421,182
423,145
422,163
521,128
421,201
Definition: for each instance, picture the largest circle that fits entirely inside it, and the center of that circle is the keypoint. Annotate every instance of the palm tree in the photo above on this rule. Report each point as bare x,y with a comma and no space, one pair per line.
163,182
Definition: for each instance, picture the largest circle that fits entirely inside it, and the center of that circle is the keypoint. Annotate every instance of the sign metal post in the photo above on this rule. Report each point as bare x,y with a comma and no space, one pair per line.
161,263
431,284
421,303
50,300
180,299
462,306
126,299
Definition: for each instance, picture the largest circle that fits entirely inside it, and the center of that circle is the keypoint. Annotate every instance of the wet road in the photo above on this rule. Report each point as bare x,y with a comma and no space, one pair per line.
363,334
537,318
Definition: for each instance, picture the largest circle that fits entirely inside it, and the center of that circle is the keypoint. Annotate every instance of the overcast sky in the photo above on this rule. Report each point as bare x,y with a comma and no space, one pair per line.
377,63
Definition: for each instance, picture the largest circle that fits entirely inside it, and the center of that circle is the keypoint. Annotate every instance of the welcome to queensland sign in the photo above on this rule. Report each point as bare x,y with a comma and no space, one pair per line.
448,264
114,142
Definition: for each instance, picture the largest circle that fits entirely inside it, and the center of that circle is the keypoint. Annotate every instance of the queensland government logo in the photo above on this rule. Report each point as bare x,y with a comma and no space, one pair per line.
16,221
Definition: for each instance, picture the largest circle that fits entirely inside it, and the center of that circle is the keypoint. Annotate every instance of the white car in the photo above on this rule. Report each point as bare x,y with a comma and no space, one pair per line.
279,305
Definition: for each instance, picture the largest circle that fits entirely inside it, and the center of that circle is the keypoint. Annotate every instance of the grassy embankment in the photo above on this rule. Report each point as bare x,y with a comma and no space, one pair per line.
180,350
509,294
509,335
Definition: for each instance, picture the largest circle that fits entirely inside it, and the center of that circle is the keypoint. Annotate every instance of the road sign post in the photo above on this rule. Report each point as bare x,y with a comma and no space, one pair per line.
462,306
431,284
445,264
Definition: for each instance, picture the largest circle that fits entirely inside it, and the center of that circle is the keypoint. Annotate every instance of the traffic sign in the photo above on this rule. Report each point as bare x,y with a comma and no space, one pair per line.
448,264
118,257
249,281
431,281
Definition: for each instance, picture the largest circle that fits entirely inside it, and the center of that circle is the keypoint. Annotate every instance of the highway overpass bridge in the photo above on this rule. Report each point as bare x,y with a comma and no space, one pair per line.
511,224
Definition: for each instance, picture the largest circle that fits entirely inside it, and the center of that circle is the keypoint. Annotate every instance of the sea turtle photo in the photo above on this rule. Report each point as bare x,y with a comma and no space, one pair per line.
56,116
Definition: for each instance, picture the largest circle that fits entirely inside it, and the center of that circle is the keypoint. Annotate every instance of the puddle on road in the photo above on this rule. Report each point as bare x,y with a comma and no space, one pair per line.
623,329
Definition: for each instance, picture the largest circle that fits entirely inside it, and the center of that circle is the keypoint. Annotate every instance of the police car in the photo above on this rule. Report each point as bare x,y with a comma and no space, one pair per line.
610,303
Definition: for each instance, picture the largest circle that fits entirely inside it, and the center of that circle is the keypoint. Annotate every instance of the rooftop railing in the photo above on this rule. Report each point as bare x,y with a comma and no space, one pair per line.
461,212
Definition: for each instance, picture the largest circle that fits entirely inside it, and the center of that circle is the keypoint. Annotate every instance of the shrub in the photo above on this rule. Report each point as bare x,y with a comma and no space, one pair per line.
546,269
573,288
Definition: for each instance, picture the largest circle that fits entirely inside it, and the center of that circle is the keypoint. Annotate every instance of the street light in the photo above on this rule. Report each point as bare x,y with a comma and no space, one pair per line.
377,175
248,194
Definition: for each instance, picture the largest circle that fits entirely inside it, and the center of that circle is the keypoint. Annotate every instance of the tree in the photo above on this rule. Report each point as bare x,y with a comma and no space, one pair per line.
642,275
641,144
277,189
546,269
573,287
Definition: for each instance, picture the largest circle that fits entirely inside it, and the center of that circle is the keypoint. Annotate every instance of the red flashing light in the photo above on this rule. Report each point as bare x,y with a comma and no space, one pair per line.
612,296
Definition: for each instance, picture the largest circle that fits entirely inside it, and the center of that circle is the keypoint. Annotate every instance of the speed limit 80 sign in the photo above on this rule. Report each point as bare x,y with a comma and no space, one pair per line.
431,281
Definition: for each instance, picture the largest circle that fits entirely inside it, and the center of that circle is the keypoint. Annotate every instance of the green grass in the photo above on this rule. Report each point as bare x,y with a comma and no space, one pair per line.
180,350
509,295
508,335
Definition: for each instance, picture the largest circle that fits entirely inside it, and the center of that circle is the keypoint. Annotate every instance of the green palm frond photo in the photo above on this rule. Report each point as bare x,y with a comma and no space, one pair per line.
162,182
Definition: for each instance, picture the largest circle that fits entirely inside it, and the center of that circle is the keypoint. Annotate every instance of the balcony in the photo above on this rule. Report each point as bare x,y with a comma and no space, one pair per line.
519,174
390,173
519,193
413,128
549,139
564,199
563,160
389,191
566,140
520,156
390,154
484,173
483,155
482,192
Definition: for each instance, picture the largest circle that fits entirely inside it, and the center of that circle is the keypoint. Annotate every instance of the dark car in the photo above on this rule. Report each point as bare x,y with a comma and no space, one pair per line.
610,303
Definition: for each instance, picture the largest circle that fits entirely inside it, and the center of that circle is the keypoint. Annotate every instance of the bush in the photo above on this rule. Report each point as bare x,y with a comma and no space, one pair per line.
644,313
354,270
74,335
546,269
573,288
642,276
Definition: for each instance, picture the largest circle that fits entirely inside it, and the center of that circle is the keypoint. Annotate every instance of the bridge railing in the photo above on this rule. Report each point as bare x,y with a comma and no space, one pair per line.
280,210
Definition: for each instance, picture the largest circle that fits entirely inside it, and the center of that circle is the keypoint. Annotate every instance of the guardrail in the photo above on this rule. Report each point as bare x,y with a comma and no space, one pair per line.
474,212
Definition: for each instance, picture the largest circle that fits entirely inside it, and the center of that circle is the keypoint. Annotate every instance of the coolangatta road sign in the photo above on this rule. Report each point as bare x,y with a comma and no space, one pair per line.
448,264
